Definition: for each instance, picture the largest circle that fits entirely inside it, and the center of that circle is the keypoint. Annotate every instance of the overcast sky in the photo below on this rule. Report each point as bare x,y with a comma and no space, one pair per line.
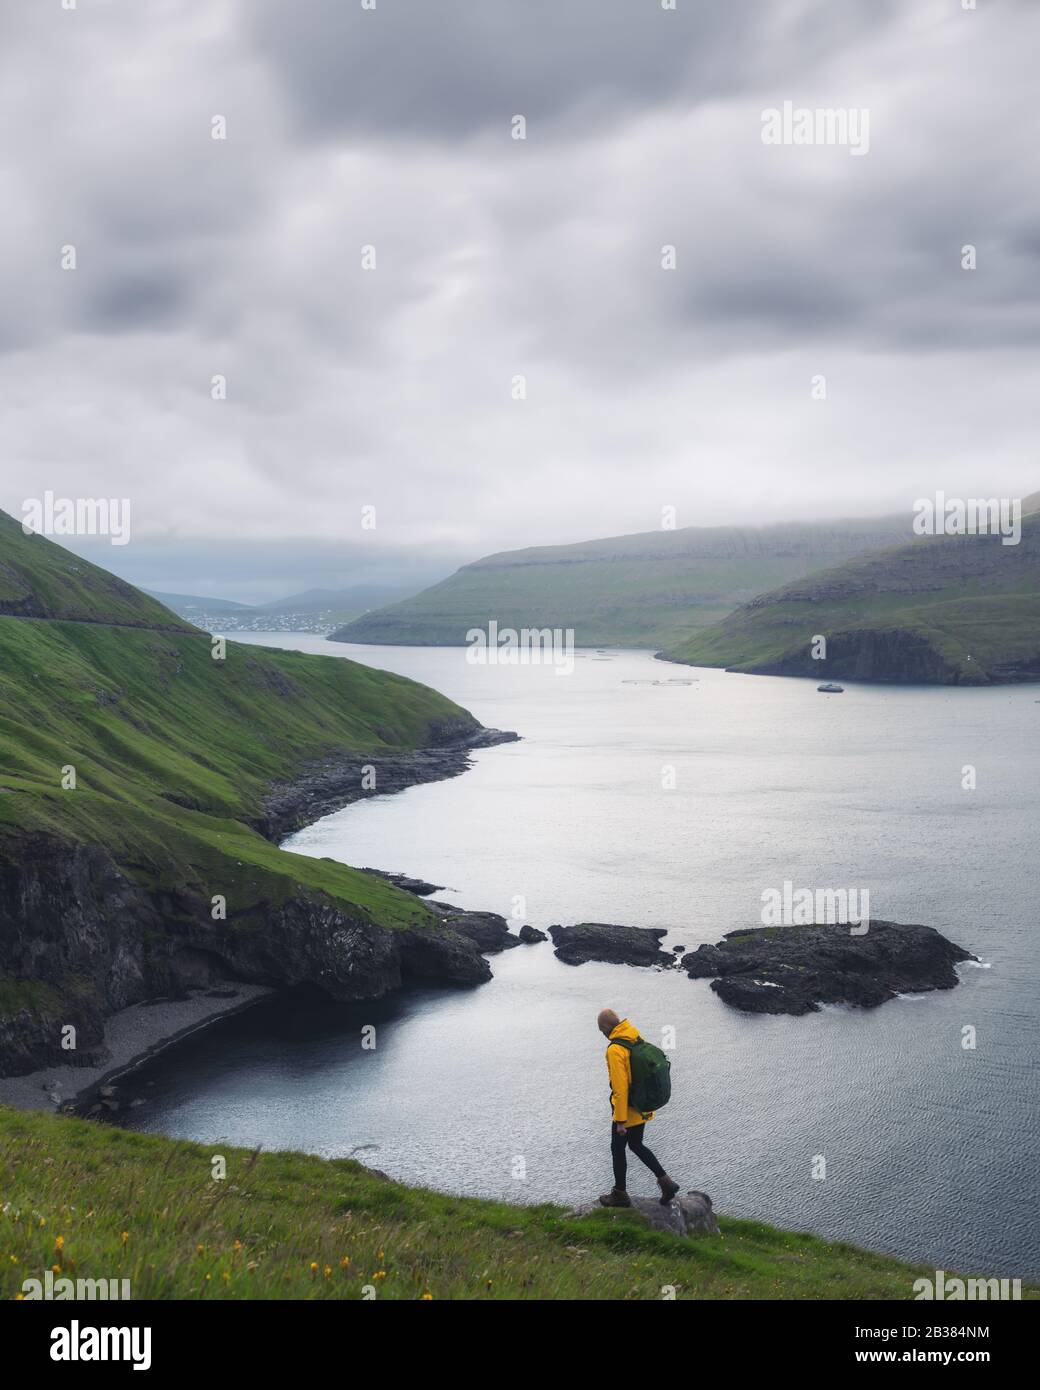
495,257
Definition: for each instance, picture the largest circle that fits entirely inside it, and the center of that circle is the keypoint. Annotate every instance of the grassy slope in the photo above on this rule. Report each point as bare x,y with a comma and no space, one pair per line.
43,580
974,602
173,751
641,591
281,1225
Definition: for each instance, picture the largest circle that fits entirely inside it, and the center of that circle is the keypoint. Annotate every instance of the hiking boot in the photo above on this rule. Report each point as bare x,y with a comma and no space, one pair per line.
616,1197
668,1188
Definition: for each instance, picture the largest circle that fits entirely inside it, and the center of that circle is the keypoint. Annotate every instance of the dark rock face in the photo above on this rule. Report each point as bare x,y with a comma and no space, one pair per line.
334,782
896,655
793,970
529,935
487,930
444,956
87,942
606,942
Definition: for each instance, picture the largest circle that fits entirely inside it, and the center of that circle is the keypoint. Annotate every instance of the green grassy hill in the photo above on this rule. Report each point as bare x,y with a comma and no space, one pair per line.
646,590
106,889
958,610
41,580
93,1202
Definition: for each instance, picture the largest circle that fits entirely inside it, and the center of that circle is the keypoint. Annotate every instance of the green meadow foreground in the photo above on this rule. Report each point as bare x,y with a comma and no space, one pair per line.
92,1202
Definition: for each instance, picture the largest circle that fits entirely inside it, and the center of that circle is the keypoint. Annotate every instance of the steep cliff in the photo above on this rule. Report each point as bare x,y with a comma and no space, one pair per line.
141,785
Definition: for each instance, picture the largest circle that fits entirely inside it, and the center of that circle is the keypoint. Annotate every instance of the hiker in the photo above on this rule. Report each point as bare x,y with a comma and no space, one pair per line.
627,1122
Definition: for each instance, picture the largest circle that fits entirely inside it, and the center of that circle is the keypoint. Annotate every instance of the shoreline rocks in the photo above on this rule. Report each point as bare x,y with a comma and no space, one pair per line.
417,886
132,1037
793,970
487,930
605,941
332,783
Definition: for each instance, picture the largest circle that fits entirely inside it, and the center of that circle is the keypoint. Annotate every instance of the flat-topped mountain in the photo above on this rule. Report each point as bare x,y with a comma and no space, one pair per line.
644,590
954,610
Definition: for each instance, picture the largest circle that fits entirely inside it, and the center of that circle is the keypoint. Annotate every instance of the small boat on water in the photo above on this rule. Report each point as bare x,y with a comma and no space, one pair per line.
831,689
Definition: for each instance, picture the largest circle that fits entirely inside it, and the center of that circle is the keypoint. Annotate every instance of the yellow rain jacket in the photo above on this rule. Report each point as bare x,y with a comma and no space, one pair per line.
619,1068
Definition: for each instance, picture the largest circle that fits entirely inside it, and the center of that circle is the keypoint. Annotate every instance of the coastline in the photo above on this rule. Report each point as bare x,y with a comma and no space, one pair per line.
133,1036
136,1034
330,784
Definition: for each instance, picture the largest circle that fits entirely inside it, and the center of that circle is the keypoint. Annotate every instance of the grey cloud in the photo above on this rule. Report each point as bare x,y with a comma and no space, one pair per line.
346,388
450,68
136,302
259,572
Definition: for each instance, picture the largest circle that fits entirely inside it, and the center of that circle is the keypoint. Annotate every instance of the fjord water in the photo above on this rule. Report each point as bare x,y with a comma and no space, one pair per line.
929,1146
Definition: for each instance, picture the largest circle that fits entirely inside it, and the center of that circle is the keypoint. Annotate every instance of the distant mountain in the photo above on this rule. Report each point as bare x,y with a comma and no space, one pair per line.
190,605
315,610
953,610
646,590
358,598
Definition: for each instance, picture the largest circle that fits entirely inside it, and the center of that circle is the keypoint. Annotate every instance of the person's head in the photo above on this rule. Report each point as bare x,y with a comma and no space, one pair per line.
607,1022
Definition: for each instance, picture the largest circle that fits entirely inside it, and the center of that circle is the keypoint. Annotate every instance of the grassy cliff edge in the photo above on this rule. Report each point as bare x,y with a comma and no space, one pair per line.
100,1203
134,772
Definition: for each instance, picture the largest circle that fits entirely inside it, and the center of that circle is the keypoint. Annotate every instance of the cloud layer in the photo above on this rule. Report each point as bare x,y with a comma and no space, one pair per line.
497,257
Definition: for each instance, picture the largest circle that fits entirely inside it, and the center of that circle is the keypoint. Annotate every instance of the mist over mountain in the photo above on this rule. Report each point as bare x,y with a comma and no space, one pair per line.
644,590
947,609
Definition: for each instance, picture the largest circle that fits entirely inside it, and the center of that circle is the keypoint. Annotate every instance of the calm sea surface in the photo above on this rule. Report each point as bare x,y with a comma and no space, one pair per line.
930,1147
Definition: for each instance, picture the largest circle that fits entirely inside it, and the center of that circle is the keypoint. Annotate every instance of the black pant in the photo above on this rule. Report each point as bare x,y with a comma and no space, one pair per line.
634,1140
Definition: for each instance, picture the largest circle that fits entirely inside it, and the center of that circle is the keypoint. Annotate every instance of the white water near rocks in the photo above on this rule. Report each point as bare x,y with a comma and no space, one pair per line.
500,1091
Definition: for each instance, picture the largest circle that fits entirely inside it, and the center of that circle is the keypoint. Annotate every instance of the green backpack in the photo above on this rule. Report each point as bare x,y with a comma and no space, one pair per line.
651,1075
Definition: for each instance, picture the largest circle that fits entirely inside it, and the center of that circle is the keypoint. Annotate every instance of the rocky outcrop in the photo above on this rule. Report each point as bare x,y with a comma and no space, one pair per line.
328,784
418,886
606,942
530,935
487,930
793,970
685,1216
